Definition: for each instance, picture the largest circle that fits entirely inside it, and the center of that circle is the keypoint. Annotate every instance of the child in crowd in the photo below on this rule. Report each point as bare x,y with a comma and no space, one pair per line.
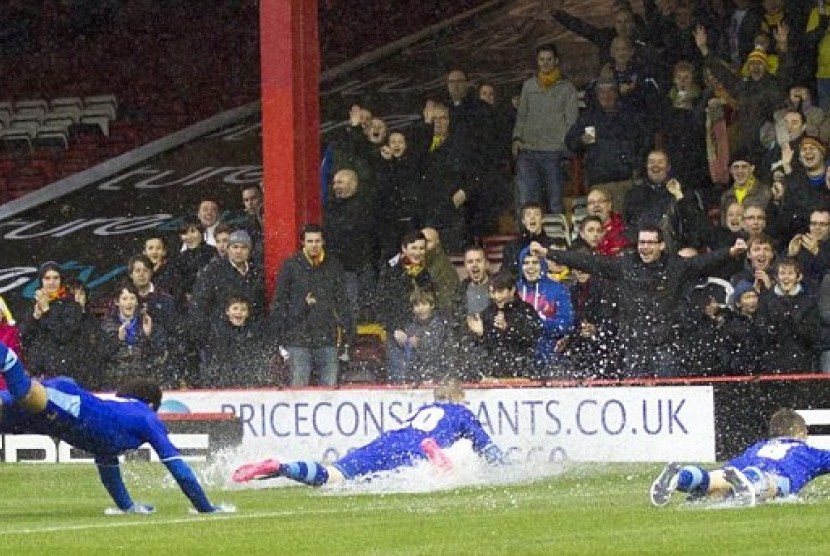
774,468
235,352
508,329
791,316
134,344
425,341
155,247
744,340
532,215
194,256
221,235
552,303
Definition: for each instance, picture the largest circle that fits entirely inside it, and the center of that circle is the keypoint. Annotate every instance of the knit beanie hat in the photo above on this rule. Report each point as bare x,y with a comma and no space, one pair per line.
240,236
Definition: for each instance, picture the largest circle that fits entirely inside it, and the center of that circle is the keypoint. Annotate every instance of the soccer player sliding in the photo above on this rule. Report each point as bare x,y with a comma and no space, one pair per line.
774,468
420,437
59,408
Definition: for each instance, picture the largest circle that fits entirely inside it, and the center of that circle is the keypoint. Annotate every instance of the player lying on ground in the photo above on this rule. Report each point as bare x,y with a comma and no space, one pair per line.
779,466
441,423
107,428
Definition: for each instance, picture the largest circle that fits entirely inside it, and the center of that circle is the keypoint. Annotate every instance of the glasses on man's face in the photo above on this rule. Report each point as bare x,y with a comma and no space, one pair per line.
647,242
817,223
597,201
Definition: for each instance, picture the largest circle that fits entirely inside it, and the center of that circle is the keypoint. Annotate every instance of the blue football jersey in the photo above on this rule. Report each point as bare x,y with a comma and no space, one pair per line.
106,428
786,457
446,423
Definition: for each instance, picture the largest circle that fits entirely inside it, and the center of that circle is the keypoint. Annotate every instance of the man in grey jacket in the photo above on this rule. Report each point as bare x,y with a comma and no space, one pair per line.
548,107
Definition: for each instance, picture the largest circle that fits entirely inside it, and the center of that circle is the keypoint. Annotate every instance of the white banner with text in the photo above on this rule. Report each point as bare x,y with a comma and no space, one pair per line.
614,424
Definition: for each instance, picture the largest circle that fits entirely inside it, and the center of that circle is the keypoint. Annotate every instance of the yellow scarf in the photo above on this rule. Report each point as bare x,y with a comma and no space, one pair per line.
60,293
742,191
436,142
561,275
547,80
411,269
315,261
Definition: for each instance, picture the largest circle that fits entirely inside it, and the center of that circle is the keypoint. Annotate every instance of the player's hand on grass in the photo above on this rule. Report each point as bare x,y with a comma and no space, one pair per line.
218,509
134,509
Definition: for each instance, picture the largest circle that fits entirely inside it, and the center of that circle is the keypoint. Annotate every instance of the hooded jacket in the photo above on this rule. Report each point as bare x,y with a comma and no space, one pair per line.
552,302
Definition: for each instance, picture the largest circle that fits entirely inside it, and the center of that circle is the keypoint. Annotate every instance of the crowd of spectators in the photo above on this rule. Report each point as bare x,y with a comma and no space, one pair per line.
704,250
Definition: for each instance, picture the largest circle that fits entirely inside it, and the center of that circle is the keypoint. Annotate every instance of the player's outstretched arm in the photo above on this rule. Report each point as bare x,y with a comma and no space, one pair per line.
483,445
190,485
110,472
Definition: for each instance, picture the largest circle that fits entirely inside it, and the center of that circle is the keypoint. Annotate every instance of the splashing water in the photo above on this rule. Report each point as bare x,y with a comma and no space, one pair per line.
468,469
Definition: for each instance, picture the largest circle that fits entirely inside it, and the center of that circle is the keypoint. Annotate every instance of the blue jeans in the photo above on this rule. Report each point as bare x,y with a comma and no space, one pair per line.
537,171
321,362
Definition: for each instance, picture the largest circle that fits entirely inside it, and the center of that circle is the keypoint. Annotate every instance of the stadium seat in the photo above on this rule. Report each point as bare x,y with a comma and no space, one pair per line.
31,106
99,111
556,227
57,104
97,117
26,116
69,114
19,133
5,113
55,133
101,103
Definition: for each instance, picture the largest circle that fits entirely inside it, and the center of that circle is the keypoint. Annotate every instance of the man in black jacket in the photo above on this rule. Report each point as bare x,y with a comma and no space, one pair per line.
650,283
447,176
613,142
475,124
309,307
351,229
